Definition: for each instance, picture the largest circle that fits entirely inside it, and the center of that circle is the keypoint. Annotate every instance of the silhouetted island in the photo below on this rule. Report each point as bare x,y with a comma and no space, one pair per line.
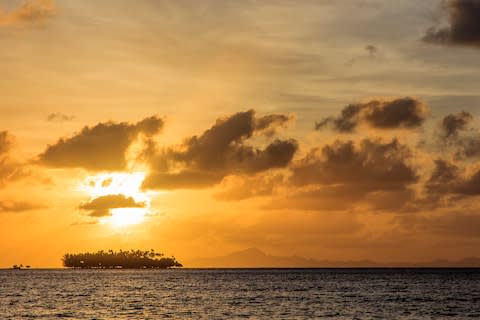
19,267
133,259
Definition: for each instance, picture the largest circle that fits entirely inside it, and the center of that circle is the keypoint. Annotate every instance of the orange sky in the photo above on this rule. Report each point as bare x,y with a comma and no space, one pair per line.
329,130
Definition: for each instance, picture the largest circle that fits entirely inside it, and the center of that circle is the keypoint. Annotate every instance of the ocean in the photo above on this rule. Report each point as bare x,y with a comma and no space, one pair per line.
241,293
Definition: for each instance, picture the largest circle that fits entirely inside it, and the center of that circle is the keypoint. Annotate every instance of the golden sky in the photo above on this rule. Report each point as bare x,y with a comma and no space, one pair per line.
332,130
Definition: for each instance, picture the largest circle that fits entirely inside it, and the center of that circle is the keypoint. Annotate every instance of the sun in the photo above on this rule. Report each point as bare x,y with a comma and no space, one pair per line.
126,184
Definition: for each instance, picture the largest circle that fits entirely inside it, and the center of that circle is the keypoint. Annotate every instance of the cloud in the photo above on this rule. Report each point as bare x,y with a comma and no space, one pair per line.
372,165
9,169
455,134
234,188
106,183
5,142
343,174
18,206
442,176
100,207
59,117
101,147
463,25
372,50
370,53
396,113
221,150
185,179
468,147
271,122
29,12
447,179
453,123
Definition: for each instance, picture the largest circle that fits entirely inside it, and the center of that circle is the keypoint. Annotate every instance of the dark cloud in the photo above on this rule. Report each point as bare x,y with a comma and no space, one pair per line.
221,150
372,165
442,176
463,25
29,12
458,137
100,207
270,123
343,174
453,123
447,179
101,147
222,146
380,114
59,117
467,147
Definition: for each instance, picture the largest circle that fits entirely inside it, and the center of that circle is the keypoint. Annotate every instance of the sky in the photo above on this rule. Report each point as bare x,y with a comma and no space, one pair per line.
330,130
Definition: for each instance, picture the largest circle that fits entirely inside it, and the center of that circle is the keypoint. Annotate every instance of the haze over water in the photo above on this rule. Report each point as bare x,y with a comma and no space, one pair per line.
241,293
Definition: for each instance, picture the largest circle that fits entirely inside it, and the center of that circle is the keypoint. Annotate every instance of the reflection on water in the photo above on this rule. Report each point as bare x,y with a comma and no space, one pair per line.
264,293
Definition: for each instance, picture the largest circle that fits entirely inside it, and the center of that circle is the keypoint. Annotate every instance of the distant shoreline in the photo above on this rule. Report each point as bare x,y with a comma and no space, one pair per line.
243,268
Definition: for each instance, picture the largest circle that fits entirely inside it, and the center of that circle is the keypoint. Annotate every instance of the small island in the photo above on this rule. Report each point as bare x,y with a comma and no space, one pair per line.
20,267
133,259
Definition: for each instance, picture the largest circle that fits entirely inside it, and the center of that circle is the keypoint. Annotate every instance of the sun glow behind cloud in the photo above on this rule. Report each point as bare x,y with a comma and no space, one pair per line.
122,217
126,184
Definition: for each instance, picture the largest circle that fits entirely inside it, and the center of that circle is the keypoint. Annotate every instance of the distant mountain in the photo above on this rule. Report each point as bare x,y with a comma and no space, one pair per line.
252,257
255,258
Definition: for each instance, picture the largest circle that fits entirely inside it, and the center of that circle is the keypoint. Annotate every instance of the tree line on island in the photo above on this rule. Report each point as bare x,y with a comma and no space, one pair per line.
133,259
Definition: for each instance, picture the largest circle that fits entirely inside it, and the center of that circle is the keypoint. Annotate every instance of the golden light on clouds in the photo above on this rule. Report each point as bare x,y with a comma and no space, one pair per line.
104,184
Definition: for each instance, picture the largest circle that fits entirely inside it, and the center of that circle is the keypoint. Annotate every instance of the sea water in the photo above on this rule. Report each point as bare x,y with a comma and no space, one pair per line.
241,293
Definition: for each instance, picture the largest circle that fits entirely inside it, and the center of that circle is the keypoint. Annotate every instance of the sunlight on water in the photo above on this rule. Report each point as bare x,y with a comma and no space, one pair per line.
227,294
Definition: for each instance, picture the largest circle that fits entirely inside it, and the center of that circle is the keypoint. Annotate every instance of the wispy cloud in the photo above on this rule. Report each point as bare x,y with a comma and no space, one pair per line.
18,206
59,117
29,12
